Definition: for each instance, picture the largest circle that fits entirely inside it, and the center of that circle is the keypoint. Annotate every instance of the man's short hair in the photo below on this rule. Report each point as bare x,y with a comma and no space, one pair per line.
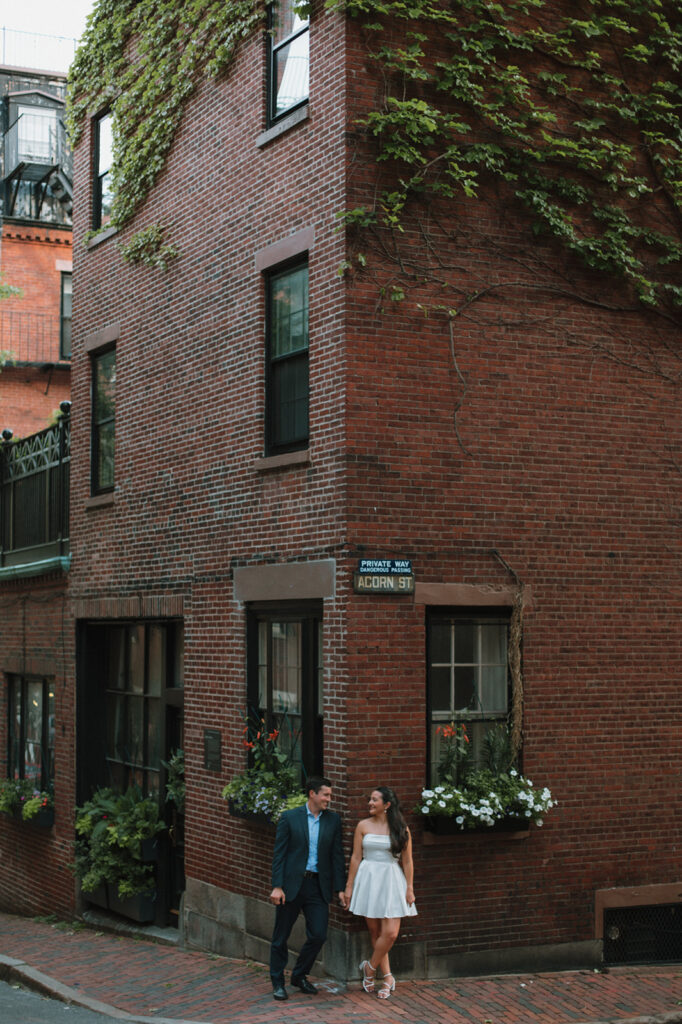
315,783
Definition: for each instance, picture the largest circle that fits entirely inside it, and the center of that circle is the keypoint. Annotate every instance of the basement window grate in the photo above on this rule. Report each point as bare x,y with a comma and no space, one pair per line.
637,935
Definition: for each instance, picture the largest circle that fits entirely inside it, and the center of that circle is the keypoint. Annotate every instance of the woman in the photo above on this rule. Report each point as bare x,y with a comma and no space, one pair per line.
378,888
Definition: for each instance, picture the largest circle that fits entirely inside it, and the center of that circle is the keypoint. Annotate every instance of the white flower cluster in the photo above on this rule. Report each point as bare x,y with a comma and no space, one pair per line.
507,796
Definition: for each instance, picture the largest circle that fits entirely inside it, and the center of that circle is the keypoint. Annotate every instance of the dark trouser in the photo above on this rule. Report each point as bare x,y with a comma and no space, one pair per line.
316,913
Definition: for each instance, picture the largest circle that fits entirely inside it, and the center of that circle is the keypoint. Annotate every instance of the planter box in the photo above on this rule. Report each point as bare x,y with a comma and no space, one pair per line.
98,897
140,908
441,826
43,819
256,818
149,851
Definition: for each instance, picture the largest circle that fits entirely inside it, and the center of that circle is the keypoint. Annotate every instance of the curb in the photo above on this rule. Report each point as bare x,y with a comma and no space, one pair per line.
17,971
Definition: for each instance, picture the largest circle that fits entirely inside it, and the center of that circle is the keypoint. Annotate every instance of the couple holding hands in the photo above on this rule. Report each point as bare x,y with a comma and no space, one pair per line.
308,867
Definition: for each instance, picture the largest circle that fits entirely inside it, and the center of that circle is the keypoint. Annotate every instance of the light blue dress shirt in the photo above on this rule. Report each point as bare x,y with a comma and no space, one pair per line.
313,836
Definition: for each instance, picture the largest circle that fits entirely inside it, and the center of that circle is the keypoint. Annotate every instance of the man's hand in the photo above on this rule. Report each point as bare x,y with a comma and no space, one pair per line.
277,896
342,899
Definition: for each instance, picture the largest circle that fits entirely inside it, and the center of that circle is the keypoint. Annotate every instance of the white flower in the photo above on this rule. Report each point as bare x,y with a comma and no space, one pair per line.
529,814
426,793
441,803
439,789
425,810
448,796
539,823
459,819
513,772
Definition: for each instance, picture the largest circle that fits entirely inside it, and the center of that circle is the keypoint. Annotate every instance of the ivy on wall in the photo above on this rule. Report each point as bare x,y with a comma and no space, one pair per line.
572,108
142,59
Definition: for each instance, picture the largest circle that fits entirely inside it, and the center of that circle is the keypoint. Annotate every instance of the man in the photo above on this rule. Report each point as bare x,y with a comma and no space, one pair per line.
307,868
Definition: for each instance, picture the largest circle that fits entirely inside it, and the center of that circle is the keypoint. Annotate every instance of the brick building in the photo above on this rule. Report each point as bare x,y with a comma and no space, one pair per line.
35,244
275,424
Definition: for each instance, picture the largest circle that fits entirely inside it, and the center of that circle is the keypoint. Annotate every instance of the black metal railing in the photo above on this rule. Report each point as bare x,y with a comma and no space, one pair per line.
34,494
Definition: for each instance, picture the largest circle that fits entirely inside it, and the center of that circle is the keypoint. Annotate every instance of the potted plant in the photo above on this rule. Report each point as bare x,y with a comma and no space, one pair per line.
272,783
20,799
494,795
115,850
175,780
39,808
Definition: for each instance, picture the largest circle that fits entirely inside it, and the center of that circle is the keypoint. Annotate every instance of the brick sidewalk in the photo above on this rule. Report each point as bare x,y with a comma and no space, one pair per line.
145,979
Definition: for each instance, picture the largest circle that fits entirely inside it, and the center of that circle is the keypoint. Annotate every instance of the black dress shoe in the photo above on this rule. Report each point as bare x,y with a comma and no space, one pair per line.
304,985
279,992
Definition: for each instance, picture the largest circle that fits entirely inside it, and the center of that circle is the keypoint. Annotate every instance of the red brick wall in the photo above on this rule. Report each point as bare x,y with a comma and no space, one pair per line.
36,638
563,464
30,396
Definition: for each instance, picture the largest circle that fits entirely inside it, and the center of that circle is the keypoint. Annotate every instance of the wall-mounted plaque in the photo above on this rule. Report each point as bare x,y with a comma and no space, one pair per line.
212,750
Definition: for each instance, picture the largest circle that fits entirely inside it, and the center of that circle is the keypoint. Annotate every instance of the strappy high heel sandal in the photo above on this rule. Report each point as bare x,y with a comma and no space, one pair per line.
367,979
386,987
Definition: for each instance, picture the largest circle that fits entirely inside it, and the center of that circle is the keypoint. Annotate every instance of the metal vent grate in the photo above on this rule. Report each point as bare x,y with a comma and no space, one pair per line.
643,934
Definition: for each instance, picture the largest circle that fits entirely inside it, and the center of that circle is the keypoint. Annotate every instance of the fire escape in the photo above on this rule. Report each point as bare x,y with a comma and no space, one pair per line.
36,154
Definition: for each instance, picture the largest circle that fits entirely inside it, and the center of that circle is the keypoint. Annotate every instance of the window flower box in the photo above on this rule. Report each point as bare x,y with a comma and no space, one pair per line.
255,817
442,826
140,908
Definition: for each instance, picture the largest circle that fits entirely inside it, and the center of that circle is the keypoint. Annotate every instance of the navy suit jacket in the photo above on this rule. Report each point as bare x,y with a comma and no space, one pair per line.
290,855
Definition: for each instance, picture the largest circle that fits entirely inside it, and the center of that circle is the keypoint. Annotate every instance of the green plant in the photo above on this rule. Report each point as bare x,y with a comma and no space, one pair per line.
455,754
484,795
111,828
13,793
175,779
272,784
487,798
33,805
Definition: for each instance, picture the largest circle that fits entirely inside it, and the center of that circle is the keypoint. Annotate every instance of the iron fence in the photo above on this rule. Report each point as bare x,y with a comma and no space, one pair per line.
34,495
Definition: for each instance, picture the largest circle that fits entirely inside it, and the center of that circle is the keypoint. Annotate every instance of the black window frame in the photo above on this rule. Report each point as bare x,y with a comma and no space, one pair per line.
477,720
100,178
16,746
309,614
298,362
274,49
64,317
97,423
104,647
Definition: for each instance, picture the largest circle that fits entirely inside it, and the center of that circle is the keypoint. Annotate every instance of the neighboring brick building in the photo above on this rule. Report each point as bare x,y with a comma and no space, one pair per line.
35,248
525,464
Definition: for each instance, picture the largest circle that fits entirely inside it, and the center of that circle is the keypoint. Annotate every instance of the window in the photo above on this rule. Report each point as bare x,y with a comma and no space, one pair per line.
285,677
65,318
31,730
103,410
37,134
288,68
129,669
103,196
467,677
287,360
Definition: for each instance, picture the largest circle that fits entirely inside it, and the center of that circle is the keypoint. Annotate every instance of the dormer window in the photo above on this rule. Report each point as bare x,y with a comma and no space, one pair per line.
288,73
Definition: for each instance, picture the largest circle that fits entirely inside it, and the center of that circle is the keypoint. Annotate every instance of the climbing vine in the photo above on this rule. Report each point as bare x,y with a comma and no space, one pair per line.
142,60
572,110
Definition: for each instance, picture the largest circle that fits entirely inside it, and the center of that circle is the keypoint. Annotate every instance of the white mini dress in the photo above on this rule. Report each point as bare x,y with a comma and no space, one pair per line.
380,884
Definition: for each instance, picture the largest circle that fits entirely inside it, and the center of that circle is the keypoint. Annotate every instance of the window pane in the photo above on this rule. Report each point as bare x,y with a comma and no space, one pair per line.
465,646
15,729
153,758
263,628
493,643
51,730
494,688
116,745
286,667
291,73
320,671
105,386
135,730
37,134
289,311
285,20
179,658
465,688
440,643
104,145
157,660
105,456
115,659
33,760
136,659
290,400
441,695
